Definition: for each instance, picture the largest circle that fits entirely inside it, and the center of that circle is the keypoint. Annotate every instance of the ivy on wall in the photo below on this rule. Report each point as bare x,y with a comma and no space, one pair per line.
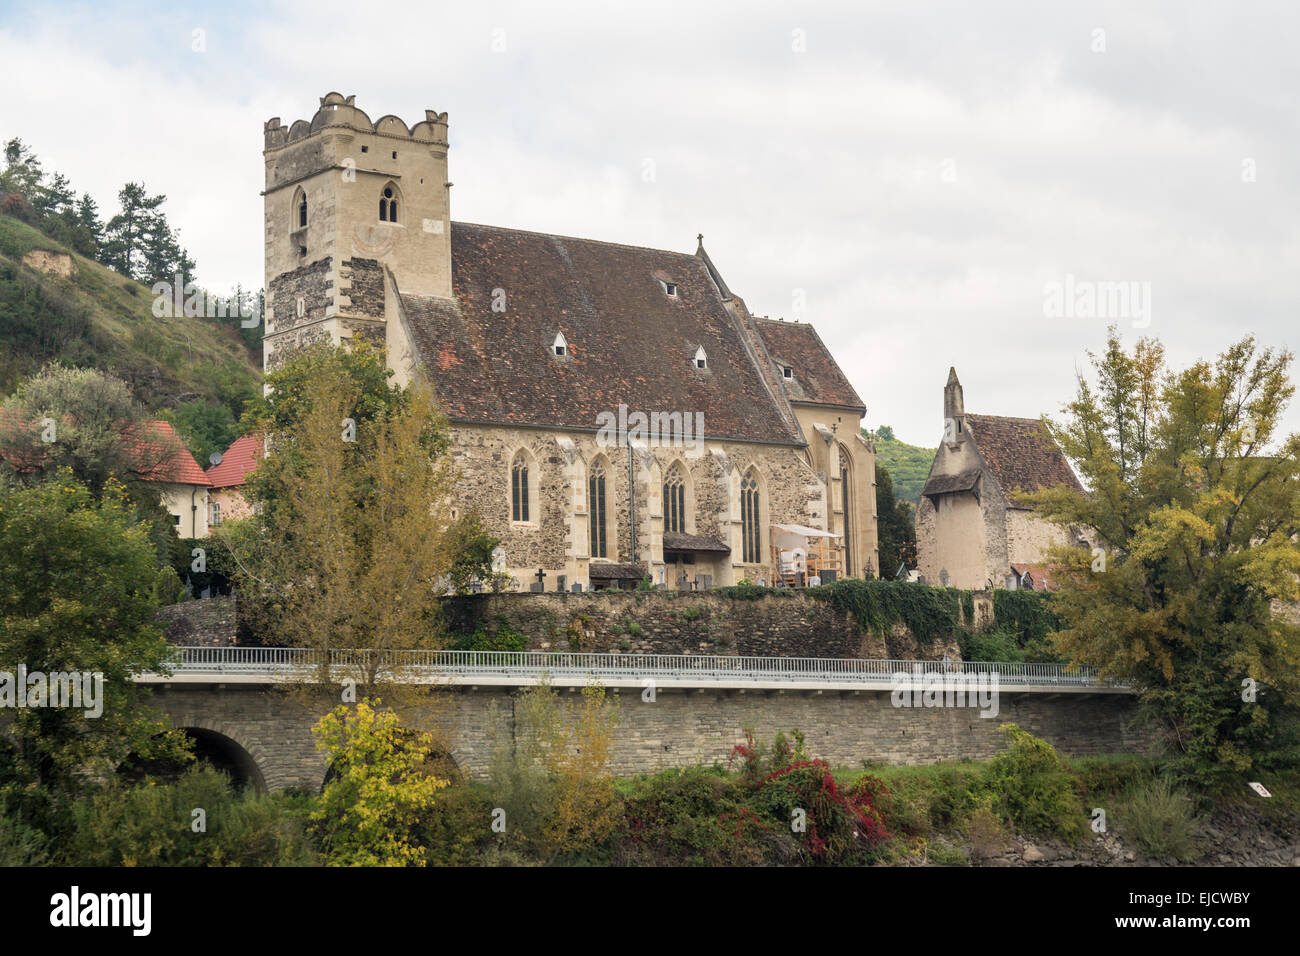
930,613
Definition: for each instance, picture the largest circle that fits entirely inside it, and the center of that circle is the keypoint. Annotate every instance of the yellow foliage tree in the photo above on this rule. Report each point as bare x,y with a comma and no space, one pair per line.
371,807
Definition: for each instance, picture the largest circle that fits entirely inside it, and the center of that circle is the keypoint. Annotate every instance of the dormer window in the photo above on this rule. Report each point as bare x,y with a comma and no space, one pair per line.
560,346
787,372
670,288
701,359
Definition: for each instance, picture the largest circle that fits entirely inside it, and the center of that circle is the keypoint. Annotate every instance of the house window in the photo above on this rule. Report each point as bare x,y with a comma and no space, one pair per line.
388,204
749,515
596,510
701,359
560,346
214,513
519,488
675,500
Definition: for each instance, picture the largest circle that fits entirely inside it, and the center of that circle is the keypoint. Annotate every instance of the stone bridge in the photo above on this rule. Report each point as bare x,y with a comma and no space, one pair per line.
250,710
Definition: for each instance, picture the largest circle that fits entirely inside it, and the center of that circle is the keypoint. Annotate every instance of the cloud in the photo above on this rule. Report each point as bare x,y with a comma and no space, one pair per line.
920,170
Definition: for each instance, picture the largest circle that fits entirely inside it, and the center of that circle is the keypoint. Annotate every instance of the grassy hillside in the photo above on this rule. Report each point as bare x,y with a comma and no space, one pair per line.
908,466
96,318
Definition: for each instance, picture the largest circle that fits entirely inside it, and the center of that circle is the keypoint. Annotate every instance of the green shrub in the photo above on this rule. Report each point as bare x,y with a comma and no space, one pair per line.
1033,789
21,845
458,828
1159,818
503,638
153,825
688,817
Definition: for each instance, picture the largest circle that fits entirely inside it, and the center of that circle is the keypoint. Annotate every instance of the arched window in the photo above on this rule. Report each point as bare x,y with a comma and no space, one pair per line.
388,204
300,209
596,510
846,497
749,517
519,488
675,499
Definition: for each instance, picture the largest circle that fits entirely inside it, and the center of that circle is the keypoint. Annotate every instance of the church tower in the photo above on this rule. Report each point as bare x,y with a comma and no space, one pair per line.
348,201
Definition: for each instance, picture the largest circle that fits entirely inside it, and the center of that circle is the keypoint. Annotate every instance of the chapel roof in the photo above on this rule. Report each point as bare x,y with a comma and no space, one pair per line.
1019,454
628,341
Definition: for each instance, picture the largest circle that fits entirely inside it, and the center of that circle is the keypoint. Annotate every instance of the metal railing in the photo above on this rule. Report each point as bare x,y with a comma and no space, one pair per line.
433,665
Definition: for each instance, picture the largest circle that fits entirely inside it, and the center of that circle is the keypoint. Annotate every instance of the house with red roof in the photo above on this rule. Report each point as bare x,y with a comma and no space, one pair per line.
226,480
970,530
158,456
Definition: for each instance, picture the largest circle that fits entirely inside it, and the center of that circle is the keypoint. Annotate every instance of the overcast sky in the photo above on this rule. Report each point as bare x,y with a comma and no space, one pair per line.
921,171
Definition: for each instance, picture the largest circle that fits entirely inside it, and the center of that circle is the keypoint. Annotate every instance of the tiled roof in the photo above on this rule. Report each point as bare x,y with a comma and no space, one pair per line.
628,340
1019,454
816,376
949,484
1039,578
155,439
680,541
237,462
608,571
180,468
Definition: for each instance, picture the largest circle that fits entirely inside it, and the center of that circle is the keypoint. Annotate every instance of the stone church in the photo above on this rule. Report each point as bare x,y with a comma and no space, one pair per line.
969,531
616,411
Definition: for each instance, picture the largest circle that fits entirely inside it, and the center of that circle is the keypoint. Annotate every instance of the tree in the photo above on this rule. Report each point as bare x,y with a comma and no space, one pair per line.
1193,492
76,596
551,776
896,526
86,421
349,539
128,236
22,173
378,789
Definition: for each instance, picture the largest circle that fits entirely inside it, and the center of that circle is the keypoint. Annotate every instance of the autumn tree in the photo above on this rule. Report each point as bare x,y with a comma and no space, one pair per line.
1191,594
552,776
378,791
349,546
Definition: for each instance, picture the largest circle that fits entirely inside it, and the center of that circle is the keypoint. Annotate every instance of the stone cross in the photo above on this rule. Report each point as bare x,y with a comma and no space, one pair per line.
541,577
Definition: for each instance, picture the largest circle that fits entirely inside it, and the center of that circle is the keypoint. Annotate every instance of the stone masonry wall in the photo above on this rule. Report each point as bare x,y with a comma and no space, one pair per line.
676,728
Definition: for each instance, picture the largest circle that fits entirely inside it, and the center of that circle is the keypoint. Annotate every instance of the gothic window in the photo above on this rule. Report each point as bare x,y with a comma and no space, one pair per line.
596,510
519,488
701,359
300,210
749,516
846,483
675,500
388,204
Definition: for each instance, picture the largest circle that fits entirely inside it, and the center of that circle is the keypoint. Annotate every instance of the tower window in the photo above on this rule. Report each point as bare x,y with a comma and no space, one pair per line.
394,154
299,212
388,205
365,149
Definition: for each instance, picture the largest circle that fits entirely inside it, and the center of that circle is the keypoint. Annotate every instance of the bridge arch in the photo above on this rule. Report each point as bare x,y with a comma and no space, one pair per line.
226,748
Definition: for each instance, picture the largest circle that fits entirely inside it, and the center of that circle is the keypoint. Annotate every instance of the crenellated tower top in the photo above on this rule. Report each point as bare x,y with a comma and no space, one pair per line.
337,110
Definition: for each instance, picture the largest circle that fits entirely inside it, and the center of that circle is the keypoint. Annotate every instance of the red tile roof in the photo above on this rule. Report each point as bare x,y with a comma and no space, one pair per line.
629,342
180,468
237,462
816,377
1019,454
156,438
